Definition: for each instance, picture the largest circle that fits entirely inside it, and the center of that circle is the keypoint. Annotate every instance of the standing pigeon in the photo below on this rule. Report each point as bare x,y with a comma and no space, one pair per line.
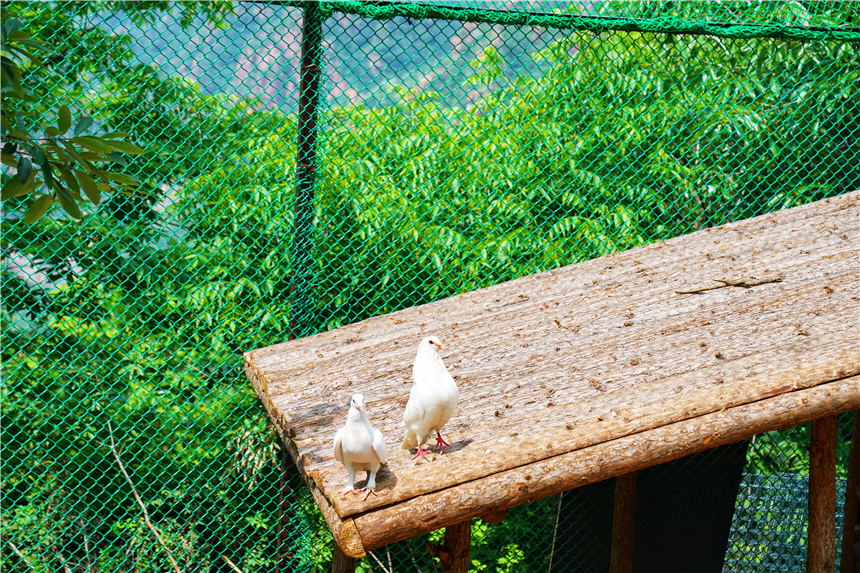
358,446
432,400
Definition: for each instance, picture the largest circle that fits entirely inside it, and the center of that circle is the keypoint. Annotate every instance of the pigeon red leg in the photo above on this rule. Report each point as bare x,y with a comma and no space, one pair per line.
440,442
422,453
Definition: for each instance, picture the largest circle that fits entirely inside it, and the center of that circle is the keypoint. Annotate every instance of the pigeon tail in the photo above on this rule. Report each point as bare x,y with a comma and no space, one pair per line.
409,442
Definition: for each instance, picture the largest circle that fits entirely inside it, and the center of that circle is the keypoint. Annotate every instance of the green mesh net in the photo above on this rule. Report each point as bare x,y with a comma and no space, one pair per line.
460,144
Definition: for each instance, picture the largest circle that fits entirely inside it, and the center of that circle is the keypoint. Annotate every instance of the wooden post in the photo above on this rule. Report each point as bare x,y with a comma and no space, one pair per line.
821,549
622,524
495,517
340,562
454,553
850,561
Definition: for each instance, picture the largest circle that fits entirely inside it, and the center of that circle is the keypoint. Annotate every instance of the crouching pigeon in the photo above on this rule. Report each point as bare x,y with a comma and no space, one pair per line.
358,446
432,400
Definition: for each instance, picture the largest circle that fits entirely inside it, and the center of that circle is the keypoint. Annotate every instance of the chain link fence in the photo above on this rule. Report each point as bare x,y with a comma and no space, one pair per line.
460,144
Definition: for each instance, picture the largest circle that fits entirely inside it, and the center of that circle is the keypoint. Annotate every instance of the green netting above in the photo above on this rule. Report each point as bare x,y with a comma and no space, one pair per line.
730,19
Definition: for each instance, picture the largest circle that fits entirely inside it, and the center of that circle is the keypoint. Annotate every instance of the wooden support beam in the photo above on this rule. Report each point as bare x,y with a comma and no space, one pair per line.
341,562
622,524
495,517
454,552
850,560
821,547
287,499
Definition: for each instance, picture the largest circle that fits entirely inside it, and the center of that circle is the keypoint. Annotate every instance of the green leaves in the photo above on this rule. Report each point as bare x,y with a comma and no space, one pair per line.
48,174
84,124
74,159
39,208
124,146
64,122
94,144
23,167
68,202
89,186
13,187
69,178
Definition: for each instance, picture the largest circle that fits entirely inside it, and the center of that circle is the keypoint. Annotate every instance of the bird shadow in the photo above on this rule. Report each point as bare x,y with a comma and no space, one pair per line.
457,446
454,447
385,479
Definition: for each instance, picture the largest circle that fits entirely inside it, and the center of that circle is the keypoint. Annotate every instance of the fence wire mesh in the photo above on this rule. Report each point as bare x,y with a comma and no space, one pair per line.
489,142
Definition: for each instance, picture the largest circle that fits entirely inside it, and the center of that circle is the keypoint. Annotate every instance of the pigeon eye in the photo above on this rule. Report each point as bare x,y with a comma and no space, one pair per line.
429,342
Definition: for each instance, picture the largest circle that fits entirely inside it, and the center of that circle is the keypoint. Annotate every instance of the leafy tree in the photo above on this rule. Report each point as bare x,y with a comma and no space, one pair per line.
50,165
66,166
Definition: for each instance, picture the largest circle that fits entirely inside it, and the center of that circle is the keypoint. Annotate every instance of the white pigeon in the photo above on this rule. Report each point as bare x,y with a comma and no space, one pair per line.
358,446
432,400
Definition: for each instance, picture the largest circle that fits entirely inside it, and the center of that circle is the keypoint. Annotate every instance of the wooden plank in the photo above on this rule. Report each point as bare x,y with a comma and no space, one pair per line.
621,560
849,562
821,535
558,361
602,461
581,421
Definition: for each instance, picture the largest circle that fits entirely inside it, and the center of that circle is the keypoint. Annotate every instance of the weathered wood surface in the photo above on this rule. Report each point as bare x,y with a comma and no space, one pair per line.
849,562
560,361
821,534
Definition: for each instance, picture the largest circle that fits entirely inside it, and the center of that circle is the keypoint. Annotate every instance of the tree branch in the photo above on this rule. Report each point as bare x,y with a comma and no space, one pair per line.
375,558
152,528
230,563
19,554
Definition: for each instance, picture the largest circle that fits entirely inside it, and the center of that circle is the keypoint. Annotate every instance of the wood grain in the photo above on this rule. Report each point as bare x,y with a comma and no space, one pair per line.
559,361
821,538
602,461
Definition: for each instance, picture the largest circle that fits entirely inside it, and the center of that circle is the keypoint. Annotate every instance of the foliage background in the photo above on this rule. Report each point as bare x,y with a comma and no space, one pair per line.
455,155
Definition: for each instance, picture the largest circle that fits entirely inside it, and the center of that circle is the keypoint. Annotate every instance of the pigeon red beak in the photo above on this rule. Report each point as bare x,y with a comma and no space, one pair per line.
439,346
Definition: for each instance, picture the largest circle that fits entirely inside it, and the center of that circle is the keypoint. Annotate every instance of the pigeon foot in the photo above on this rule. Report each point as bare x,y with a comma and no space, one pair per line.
369,492
344,492
422,453
441,443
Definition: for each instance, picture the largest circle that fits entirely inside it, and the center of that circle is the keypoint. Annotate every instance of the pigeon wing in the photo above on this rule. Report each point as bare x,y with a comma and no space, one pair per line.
414,409
379,445
338,445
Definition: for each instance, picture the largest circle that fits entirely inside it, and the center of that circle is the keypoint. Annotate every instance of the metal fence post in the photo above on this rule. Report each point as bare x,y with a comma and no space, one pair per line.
300,255
306,167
